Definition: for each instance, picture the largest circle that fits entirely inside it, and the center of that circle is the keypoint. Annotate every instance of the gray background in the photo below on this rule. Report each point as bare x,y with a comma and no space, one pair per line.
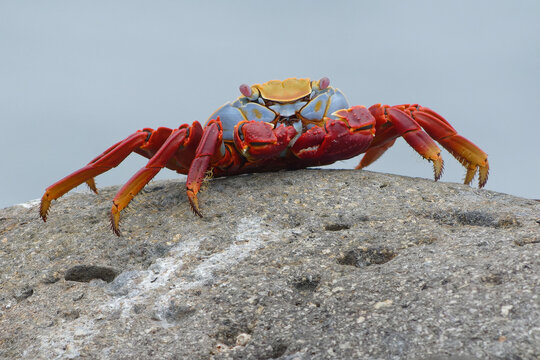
77,76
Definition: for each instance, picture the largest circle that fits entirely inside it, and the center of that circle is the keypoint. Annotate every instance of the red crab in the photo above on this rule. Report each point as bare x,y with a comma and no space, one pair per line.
290,124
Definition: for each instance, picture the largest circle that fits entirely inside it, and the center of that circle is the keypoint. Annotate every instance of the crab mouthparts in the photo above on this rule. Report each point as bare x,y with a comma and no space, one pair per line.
287,110
294,122
288,121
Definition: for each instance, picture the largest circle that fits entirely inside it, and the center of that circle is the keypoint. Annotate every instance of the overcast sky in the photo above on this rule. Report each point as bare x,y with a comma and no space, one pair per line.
77,76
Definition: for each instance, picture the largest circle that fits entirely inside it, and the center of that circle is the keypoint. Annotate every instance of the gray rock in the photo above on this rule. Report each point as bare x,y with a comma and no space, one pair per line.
311,264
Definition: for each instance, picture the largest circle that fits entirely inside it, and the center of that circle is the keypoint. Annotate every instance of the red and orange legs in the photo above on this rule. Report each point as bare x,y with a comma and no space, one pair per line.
340,139
255,140
153,142
374,153
385,137
208,152
467,153
172,151
405,126
109,159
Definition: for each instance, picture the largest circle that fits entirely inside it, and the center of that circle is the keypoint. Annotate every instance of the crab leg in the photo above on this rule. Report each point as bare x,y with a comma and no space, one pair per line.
373,153
385,137
137,182
208,150
256,140
411,131
109,159
181,160
90,182
467,153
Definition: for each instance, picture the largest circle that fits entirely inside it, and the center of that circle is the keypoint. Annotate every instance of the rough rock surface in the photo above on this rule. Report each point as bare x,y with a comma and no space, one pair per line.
312,264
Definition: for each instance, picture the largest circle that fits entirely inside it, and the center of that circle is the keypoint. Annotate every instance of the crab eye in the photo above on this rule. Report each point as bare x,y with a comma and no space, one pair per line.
324,83
250,92
321,84
245,90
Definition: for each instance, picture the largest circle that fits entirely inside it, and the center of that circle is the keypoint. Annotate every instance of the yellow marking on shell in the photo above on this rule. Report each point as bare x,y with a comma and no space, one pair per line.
284,91
318,106
257,113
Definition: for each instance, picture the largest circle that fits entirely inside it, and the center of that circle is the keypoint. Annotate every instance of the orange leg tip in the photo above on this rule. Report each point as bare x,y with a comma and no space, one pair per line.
92,185
115,220
44,207
483,172
438,167
194,202
471,173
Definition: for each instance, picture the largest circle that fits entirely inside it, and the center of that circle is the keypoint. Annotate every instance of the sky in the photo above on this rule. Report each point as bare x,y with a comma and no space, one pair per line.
78,76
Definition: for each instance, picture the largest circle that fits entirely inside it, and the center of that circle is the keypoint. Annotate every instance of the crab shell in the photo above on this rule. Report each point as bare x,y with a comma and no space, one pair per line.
298,102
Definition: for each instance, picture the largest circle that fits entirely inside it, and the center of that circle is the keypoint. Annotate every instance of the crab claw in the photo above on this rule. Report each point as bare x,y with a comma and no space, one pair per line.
348,136
261,140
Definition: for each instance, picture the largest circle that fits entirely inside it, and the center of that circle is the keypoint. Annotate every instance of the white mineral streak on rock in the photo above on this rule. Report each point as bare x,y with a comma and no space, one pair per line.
383,304
505,309
130,288
66,341
249,237
136,286
29,204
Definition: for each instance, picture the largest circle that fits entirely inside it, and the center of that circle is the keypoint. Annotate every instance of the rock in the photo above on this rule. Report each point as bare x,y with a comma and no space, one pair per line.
23,293
311,264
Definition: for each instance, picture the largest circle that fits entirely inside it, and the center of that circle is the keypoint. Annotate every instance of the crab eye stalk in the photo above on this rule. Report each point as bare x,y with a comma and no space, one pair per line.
321,84
245,90
324,83
249,92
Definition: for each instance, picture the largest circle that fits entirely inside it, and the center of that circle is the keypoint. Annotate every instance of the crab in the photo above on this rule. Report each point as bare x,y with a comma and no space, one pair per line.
289,124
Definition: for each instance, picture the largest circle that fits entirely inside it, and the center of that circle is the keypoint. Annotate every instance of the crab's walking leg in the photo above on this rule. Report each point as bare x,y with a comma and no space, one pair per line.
256,140
373,153
385,137
467,153
411,131
90,182
178,147
109,159
209,149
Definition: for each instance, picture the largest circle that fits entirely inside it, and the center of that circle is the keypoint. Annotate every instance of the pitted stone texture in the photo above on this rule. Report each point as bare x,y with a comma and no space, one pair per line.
311,264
